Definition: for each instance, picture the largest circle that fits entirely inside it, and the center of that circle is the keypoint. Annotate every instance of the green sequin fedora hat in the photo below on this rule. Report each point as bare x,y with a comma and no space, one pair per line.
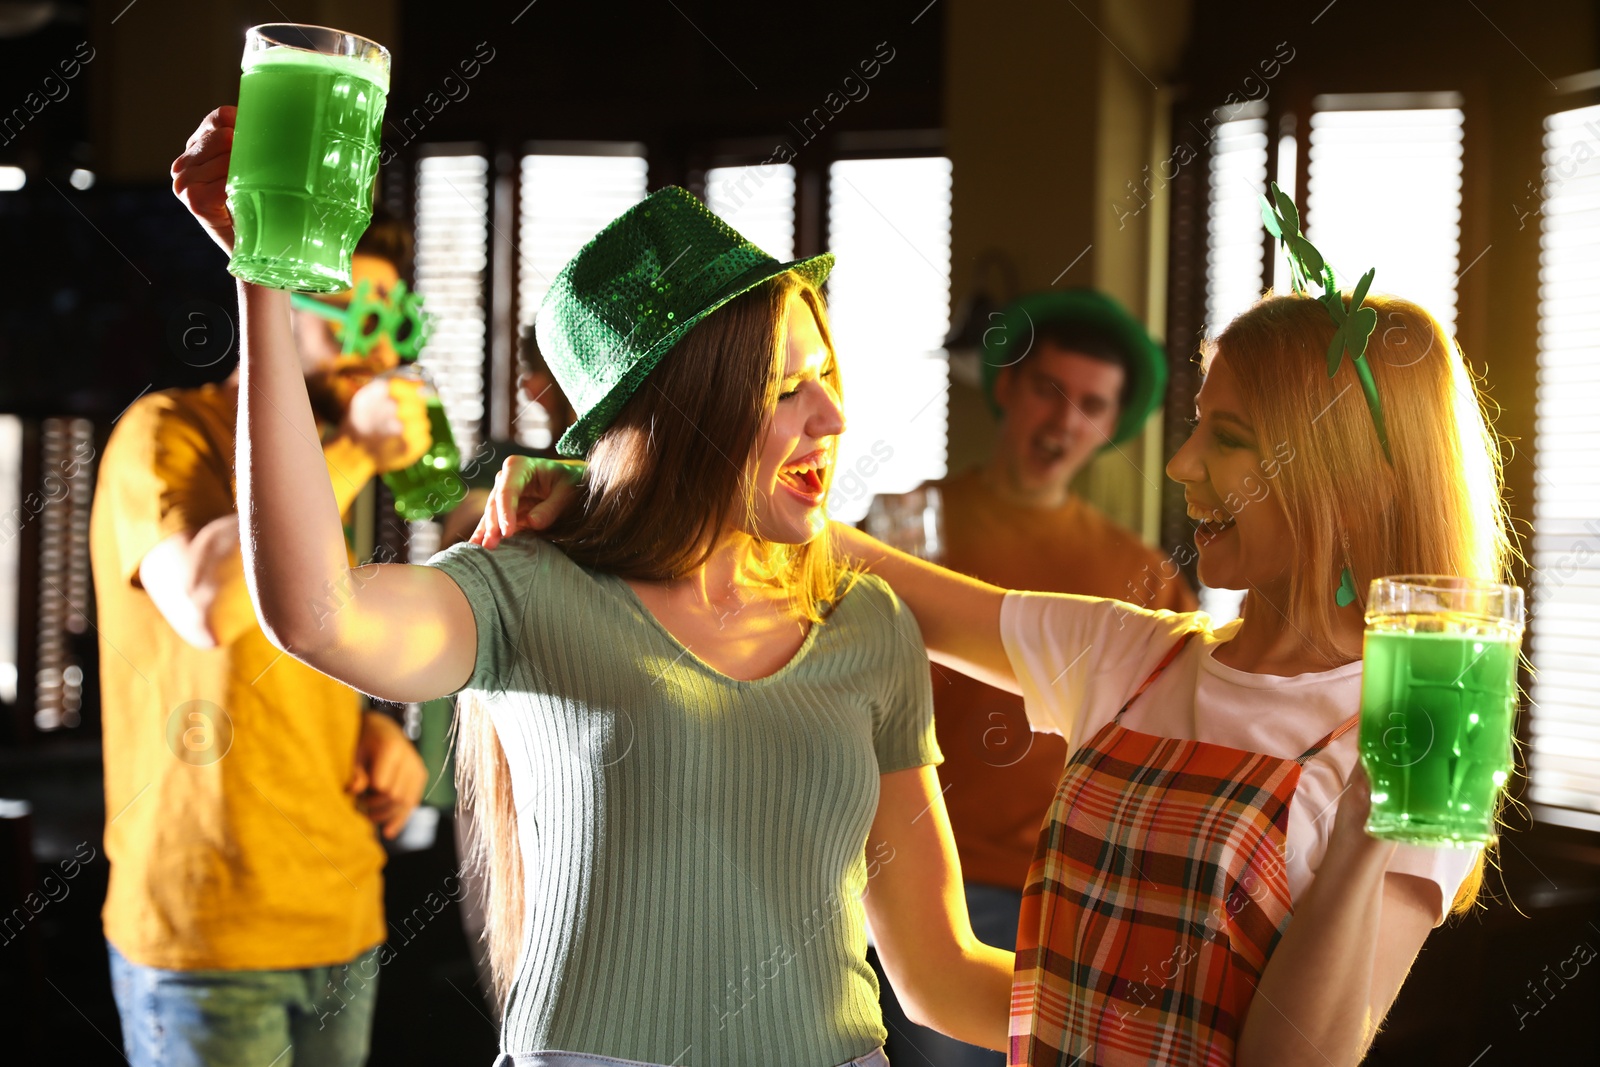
634,291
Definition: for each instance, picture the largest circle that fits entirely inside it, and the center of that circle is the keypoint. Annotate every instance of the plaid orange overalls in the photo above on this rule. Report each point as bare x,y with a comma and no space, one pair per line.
1154,901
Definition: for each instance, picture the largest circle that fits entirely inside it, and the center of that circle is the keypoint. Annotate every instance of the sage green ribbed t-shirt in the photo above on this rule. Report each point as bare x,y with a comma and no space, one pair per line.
694,845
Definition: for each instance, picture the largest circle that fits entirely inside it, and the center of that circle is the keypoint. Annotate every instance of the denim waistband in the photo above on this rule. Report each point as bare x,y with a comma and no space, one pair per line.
875,1058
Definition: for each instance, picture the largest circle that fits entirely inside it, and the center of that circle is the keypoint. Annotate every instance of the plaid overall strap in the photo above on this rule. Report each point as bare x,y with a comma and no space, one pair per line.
1166,661
1155,898
1329,738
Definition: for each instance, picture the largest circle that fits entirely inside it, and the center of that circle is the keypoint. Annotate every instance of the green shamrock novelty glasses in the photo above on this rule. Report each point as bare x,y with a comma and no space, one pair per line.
370,317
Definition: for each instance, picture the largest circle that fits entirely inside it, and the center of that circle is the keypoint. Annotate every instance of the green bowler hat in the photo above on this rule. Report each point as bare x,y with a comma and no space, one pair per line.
633,292
1012,338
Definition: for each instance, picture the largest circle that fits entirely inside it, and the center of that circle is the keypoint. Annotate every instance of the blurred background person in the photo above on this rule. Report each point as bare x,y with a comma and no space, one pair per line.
242,787
536,386
1068,374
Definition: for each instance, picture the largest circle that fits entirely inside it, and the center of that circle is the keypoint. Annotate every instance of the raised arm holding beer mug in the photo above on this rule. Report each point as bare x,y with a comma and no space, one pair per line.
245,908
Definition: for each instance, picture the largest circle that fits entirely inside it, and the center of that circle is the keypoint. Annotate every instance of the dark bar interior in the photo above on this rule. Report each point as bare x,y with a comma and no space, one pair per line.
954,155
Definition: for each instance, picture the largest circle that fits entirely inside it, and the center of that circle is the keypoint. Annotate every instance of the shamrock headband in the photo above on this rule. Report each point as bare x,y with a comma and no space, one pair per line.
369,317
1352,327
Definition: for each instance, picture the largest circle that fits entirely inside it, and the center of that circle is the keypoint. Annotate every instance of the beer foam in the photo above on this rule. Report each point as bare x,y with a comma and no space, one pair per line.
366,69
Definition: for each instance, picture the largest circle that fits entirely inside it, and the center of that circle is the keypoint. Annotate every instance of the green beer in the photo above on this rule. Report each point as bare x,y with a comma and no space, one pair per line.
433,483
1438,710
305,154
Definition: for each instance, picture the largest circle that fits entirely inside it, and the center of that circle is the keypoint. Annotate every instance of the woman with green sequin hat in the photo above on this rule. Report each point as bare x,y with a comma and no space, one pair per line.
1213,788
634,291
699,748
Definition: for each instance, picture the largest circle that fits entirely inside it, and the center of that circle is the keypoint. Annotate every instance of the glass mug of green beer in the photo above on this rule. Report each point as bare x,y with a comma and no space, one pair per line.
305,154
1438,706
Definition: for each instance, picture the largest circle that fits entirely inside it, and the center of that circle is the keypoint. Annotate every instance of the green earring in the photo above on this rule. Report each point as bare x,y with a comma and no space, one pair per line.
1345,595
1347,589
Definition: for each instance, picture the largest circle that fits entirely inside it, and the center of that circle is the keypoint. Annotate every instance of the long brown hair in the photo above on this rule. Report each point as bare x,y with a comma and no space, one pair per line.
663,483
1438,509
671,473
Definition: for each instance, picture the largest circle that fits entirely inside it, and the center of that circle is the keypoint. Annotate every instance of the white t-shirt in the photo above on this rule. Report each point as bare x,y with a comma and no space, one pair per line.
1079,659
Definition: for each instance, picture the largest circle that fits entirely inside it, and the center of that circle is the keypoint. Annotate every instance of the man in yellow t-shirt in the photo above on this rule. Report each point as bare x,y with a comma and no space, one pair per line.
1069,373
245,904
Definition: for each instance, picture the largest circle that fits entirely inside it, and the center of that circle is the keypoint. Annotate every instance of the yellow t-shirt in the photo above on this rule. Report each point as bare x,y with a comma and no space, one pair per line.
232,842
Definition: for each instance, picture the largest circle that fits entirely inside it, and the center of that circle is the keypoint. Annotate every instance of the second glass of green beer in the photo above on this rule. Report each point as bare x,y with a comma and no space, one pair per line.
1438,706
305,154
432,485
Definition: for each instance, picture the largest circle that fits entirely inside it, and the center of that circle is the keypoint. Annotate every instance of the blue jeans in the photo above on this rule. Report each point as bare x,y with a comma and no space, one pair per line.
875,1058
994,913
312,1017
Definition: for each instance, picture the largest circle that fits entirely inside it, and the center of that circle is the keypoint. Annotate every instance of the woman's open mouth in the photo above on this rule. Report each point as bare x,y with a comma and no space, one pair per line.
806,477
1210,525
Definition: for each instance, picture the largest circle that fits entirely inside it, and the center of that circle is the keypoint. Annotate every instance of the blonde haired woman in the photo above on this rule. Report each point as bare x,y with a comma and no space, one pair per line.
1212,788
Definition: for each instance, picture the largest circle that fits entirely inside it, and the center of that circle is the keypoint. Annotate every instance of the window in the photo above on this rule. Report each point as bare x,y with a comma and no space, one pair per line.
1288,179
64,609
566,200
1385,192
1234,237
1564,757
12,518
889,298
758,201
452,255
889,222
1235,243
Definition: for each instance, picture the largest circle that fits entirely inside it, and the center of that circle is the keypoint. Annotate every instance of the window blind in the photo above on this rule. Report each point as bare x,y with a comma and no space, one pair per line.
64,580
12,517
566,200
889,299
758,201
1564,756
452,251
1235,265
1234,237
1385,192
